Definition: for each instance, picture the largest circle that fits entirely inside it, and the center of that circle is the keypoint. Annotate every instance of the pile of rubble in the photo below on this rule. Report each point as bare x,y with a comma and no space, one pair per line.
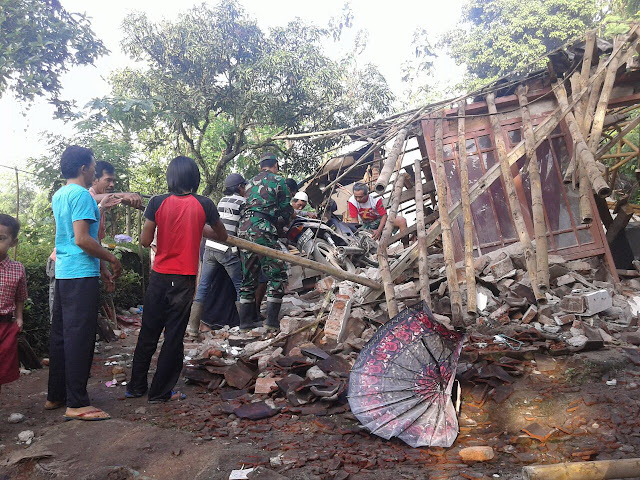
304,369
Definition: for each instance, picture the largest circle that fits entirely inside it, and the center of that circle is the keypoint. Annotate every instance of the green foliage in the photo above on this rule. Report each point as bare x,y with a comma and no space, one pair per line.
496,37
221,88
39,41
36,318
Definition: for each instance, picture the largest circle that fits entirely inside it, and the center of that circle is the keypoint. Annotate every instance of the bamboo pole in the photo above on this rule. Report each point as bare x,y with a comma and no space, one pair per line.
603,101
594,94
470,271
304,262
598,470
445,222
390,162
586,191
587,59
537,203
617,139
514,202
383,259
584,154
574,81
423,255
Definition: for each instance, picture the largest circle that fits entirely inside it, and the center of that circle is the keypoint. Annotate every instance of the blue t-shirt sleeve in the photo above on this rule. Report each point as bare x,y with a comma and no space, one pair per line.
84,207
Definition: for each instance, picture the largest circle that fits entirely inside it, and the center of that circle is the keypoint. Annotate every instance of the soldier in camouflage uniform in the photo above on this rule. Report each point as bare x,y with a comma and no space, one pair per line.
267,208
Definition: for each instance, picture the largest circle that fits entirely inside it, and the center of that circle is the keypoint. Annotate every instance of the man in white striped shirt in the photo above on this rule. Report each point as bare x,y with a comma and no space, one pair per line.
217,255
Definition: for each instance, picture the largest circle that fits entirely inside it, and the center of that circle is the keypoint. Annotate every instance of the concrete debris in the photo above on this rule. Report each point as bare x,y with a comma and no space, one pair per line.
26,436
16,418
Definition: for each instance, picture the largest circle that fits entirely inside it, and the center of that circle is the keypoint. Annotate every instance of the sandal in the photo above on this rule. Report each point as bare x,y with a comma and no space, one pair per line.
49,405
85,416
175,396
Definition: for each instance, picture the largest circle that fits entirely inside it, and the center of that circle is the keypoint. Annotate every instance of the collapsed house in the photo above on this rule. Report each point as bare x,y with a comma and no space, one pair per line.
519,239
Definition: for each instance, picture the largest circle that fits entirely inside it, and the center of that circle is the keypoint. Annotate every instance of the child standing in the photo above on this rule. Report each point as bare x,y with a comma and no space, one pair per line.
179,218
13,293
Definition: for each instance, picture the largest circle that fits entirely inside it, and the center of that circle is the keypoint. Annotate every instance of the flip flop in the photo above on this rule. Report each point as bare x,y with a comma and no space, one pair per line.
128,394
54,405
175,396
84,416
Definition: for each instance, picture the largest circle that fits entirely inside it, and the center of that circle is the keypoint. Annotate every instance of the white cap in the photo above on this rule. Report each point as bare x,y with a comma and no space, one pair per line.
301,196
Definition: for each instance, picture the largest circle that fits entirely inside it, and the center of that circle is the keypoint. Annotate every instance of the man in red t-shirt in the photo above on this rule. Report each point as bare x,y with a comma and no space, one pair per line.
369,210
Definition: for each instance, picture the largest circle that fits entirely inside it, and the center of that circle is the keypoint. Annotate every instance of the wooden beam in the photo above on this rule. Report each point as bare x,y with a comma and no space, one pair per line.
304,262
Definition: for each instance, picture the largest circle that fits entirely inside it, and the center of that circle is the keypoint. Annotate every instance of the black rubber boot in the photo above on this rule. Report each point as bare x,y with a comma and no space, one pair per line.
273,312
247,314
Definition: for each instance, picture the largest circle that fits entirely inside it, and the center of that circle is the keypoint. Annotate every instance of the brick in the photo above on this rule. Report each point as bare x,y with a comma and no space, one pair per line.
544,320
338,315
579,266
406,290
565,280
266,384
325,284
530,314
596,302
476,454
565,319
572,304
502,267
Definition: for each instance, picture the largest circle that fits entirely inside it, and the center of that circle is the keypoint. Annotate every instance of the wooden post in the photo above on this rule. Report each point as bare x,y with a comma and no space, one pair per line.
514,202
470,270
598,470
537,204
445,223
584,155
383,259
390,162
304,262
423,255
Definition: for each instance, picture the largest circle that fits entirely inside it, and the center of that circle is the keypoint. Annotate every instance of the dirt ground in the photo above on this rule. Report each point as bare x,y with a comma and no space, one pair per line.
565,404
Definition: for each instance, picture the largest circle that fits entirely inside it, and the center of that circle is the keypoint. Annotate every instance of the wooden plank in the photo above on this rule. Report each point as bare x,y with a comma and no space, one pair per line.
428,188
470,271
445,222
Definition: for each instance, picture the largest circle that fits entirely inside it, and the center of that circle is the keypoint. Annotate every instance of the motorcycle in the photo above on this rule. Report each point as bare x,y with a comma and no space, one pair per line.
334,243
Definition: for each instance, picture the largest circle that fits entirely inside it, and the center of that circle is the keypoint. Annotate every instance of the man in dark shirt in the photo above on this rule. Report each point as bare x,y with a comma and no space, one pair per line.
268,207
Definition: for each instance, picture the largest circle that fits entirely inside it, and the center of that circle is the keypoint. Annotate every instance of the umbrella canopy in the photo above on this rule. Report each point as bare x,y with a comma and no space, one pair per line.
400,385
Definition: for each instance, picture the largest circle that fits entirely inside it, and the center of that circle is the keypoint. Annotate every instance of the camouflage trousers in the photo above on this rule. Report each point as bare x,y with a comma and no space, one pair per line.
275,270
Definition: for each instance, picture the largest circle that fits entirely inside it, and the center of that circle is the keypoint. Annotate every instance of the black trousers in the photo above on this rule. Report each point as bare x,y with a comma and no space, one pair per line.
73,338
167,304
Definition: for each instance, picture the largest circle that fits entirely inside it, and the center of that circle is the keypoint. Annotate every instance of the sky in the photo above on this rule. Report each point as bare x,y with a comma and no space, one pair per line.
390,28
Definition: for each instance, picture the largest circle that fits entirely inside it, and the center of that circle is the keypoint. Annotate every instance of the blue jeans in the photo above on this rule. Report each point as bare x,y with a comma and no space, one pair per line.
211,261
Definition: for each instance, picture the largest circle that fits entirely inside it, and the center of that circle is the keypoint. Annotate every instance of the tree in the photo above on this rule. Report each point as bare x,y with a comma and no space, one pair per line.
214,70
40,40
496,37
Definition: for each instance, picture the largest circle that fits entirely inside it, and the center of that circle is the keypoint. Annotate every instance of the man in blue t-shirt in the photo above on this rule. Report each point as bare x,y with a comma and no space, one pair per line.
76,301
